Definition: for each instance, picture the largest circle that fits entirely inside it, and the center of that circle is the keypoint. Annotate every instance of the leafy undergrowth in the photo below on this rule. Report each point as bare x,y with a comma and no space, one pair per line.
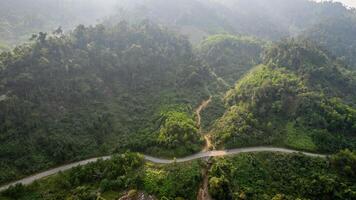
283,176
300,98
299,139
244,176
95,91
231,56
111,179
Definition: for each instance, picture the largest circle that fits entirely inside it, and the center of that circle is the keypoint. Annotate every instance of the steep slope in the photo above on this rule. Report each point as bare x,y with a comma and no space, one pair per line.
277,176
300,98
230,56
179,15
260,175
337,34
276,19
97,90
272,20
330,24
114,178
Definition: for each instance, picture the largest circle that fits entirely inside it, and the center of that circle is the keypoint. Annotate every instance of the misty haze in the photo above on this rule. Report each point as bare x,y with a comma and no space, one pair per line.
177,100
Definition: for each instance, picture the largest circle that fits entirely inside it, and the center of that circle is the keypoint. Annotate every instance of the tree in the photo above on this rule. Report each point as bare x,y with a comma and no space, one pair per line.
345,163
219,188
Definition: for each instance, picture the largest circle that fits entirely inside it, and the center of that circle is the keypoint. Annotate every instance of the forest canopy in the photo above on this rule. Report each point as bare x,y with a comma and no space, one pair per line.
123,82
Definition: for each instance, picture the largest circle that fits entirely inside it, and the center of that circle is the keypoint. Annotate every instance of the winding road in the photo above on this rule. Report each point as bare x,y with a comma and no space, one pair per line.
31,179
204,154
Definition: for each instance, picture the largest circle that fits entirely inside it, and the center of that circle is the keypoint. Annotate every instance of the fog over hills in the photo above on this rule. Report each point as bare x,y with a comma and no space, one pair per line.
138,91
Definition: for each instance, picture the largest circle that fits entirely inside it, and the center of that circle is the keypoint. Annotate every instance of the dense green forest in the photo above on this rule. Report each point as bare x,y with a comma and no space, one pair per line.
230,56
65,97
82,79
110,179
283,177
300,97
329,24
247,176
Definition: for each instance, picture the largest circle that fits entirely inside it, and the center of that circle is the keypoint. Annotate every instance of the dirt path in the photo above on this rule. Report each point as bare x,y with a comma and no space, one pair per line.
203,193
202,106
205,154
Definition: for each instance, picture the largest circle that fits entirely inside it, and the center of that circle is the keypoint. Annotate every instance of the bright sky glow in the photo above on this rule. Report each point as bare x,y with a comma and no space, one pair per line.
351,3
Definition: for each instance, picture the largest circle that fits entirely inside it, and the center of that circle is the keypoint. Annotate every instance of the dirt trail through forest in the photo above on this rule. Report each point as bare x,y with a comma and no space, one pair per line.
203,193
206,154
202,106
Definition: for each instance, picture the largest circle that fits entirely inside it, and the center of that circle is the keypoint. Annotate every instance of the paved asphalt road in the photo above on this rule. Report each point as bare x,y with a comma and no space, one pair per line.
35,177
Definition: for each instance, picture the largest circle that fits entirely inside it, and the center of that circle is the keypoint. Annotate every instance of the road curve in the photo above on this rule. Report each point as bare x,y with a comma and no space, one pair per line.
31,179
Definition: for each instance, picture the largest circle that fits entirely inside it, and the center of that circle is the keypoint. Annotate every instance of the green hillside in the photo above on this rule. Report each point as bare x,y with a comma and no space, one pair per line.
336,34
283,177
299,98
111,179
215,88
245,176
230,56
95,91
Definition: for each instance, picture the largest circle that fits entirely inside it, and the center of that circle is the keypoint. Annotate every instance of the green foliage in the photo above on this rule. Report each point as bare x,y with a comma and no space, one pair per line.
273,20
179,15
237,127
299,139
230,56
345,163
336,34
15,192
102,89
319,70
255,101
212,112
175,180
291,101
279,176
269,90
219,185
66,97
219,188
177,129
126,172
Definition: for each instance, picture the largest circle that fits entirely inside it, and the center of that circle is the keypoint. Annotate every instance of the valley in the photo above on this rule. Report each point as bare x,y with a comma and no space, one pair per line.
177,100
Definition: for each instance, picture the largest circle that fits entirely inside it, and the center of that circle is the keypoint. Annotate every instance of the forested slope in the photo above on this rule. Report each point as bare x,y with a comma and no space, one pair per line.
264,175
230,56
301,97
337,34
330,24
134,86
97,90
123,175
268,176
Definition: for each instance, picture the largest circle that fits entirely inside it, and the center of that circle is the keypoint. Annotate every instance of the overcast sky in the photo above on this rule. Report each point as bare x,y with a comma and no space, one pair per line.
351,3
